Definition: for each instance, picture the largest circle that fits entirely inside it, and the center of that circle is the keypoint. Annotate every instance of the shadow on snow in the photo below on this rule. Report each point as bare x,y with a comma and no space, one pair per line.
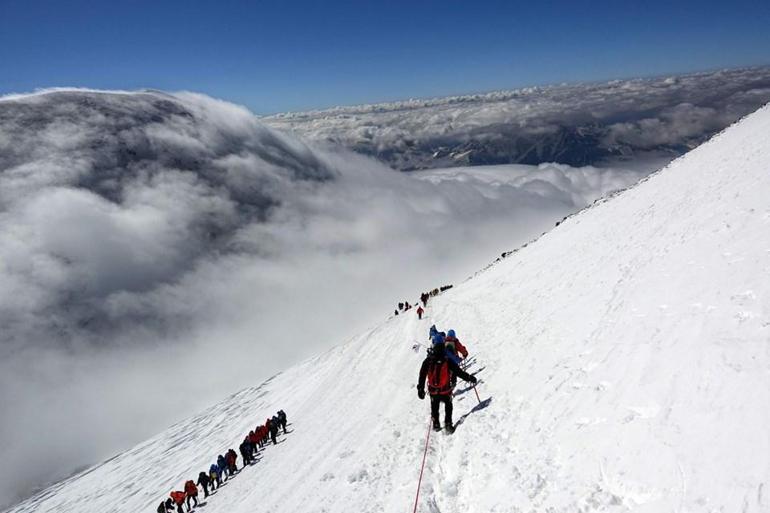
483,404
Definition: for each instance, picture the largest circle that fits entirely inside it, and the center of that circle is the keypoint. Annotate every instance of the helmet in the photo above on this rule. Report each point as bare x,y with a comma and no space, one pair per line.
450,333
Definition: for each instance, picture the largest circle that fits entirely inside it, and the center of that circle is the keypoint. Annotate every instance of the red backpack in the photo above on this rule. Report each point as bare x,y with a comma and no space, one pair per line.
439,378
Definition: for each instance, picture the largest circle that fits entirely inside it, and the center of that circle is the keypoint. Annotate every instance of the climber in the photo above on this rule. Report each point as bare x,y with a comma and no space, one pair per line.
230,458
274,429
178,497
254,441
455,348
203,481
438,369
420,311
245,450
215,476
192,493
260,432
282,420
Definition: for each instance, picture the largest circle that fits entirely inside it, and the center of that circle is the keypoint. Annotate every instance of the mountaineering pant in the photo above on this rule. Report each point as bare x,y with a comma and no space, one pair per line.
272,436
193,497
435,403
206,489
179,508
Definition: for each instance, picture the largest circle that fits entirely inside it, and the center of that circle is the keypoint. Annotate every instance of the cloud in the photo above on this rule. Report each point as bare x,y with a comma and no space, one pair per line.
576,124
160,251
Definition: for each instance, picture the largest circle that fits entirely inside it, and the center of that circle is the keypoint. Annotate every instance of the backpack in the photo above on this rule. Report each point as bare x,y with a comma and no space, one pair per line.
439,378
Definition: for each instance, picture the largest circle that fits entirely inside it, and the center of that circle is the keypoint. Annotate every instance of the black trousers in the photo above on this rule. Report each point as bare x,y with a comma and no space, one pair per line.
435,404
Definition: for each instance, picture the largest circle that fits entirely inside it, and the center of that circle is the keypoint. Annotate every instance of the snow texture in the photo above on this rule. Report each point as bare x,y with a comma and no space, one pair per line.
624,361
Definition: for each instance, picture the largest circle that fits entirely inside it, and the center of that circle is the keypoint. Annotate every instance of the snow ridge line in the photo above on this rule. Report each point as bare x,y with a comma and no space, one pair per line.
607,197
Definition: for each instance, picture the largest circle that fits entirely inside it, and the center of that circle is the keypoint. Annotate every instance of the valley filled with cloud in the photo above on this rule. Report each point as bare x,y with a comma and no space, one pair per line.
162,245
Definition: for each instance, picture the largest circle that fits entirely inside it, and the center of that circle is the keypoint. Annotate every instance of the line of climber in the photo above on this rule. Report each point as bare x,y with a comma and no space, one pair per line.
225,466
404,306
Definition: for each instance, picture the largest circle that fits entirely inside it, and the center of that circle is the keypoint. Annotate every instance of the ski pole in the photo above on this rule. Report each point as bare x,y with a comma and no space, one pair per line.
477,393
422,467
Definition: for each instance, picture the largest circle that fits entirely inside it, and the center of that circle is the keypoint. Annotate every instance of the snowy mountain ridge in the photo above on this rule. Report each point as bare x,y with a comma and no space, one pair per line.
624,358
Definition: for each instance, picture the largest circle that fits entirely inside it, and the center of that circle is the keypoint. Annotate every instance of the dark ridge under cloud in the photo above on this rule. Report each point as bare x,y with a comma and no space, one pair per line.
580,124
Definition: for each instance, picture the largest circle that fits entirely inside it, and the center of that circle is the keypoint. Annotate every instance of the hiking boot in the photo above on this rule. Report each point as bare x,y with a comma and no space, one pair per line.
436,426
450,429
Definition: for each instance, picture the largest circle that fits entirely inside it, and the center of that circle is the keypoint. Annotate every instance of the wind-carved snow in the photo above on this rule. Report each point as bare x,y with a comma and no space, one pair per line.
619,373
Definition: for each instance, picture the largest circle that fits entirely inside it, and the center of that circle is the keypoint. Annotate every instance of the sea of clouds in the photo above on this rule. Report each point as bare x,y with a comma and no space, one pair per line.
576,124
160,251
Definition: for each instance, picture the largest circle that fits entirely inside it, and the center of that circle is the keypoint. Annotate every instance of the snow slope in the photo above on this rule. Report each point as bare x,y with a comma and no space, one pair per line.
624,357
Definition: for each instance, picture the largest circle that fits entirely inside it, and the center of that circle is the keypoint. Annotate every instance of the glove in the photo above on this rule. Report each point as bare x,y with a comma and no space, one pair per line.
473,379
421,393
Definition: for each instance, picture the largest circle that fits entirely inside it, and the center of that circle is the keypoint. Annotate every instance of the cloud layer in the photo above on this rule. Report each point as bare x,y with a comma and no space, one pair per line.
579,124
159,251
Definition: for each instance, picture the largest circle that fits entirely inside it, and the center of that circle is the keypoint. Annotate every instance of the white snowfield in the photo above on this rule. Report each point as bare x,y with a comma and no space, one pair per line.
624,357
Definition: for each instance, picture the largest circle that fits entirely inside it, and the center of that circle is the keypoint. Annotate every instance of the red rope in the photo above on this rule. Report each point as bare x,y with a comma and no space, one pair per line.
422,468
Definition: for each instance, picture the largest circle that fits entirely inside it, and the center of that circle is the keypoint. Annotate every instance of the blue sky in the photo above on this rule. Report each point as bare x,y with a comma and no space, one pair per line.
277,56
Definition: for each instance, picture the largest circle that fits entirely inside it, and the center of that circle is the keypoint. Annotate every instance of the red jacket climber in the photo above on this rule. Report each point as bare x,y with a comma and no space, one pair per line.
452,342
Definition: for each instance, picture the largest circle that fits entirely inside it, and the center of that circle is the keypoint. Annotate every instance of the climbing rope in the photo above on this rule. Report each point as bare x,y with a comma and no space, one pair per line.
422,467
